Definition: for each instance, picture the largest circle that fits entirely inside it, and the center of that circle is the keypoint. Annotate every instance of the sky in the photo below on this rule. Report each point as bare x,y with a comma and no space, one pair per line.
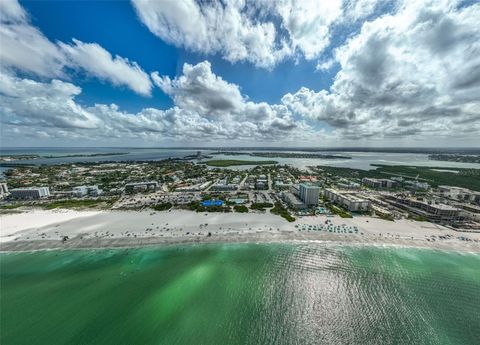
155,73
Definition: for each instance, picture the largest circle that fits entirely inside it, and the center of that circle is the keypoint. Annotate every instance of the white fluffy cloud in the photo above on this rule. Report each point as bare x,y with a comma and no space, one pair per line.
201,90
25,102
24,47
412,73
98,62
206,108
214,27
308,23
260,32
11,11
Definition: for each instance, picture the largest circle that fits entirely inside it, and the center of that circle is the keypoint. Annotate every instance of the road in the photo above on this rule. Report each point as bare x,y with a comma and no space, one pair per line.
240,185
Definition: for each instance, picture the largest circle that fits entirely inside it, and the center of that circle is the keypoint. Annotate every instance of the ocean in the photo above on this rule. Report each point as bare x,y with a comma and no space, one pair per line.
241,294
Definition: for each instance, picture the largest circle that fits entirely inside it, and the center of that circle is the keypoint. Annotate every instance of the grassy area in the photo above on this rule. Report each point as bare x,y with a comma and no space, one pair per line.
233,162
282,212
163,206
240,208
260,206
467,178
338,211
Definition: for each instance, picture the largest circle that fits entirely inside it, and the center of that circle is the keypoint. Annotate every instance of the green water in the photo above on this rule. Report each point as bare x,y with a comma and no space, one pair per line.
241,294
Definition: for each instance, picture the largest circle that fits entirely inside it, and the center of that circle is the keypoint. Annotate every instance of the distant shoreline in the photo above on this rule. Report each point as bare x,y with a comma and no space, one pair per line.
425,150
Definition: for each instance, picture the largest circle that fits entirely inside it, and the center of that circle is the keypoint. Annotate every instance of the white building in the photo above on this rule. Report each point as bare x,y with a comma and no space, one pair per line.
416,185
348,200
378,183
141,186
81,191
293,201
309,194
459,193
3,190
30,193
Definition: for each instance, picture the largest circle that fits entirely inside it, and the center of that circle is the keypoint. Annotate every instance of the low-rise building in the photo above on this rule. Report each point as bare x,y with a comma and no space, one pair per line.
30,193
434,212
135,187
293,201
417,185
348,185
380,211
261,182
459,193
81,191
220,186
471,212
347,199
378,183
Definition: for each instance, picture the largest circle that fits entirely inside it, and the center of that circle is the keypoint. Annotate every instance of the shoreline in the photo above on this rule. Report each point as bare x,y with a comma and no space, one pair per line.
39,230
36,246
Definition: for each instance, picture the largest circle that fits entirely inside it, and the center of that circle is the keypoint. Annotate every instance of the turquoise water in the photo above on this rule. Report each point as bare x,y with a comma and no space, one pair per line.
241,294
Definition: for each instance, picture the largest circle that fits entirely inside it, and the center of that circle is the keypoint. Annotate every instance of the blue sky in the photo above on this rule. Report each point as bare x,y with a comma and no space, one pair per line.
310,73
115,26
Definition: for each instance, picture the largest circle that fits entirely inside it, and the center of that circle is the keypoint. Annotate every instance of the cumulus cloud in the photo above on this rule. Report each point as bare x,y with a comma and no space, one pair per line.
260,32
308,23
98,62
11,11
24,47
25,102
201,90
214,27
413,72
206,108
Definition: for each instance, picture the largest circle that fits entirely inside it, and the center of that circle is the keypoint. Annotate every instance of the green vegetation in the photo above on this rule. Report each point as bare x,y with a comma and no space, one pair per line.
455,158
386,217
338,211
76,203
297,155
282,212
260,206
62,177
163,206
10,207
87,155
240,208
418,218
466,178
232,162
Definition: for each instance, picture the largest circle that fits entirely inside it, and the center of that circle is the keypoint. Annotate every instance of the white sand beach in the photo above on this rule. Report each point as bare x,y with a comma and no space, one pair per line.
41,229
